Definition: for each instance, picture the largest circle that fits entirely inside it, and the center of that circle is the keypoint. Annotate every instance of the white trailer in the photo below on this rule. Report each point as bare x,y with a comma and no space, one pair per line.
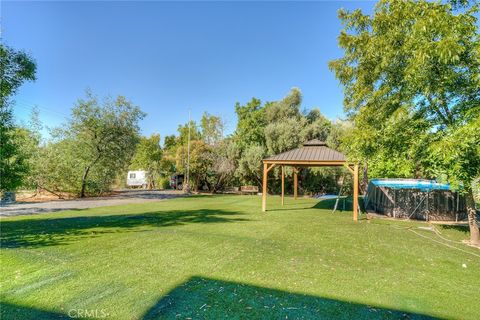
137,178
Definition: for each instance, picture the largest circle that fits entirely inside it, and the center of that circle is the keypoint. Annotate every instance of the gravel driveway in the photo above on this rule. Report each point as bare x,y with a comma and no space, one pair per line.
120,197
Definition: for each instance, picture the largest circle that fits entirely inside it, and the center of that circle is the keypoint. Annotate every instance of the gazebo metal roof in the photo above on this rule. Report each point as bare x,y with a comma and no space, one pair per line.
311,152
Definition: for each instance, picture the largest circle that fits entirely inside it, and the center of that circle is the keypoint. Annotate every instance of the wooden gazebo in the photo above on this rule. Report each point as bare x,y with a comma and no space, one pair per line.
313,153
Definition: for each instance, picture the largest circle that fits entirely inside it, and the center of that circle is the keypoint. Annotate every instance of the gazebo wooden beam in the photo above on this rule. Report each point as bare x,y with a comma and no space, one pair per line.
347,165
270,167
306,163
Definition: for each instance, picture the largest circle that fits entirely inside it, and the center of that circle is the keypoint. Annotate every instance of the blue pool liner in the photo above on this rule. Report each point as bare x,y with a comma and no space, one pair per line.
425,185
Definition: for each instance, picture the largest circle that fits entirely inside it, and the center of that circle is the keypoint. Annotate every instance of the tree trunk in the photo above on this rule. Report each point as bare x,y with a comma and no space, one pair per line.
472,218
84,182
365,179
54,193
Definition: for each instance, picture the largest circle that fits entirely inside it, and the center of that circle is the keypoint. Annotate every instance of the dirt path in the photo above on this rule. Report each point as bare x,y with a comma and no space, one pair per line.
120,197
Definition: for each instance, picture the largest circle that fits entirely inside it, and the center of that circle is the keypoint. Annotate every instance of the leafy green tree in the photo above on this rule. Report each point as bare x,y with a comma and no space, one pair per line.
148,156
249,168
58,169
414,66
169,142
319,127
337,133
273,128
287,108
167,164
105,136
251,124
212,128
183,130
288,127
200,162
224,156
28,139
285,123
16,67
457,156
285,135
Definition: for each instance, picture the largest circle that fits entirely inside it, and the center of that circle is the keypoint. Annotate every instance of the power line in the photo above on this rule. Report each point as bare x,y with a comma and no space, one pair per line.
25,105
29,103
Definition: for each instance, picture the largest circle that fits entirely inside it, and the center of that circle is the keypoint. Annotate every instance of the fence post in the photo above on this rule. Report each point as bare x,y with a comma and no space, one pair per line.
394,202
428,198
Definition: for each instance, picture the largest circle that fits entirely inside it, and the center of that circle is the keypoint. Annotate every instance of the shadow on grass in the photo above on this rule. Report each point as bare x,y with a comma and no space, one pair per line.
14,312
204,298
31,211
57,231
329,204
463,229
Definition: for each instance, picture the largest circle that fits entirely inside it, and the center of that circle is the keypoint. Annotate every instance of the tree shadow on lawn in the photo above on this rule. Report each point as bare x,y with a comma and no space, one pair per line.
205,298
327,204
465,229
47,232
32,211
14,312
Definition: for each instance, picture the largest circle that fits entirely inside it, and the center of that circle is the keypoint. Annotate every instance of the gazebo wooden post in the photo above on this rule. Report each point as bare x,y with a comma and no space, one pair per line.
295,183
283,185
355,192
266,168
264,187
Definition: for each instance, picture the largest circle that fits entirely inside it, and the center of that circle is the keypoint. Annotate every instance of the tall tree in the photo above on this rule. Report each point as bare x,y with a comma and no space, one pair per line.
16,67
183,133
212,128
200,162
251,123
148,156
169,142
28,137
272,128
106,135
58,169
416,65
285,123
223,159
319,127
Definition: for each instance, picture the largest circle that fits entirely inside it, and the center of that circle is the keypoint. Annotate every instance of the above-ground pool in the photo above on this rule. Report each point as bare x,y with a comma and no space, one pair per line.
415,199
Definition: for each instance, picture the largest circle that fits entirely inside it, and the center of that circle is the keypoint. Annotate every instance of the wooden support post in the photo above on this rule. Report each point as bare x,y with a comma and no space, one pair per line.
355,192
283,185
295,183
264,188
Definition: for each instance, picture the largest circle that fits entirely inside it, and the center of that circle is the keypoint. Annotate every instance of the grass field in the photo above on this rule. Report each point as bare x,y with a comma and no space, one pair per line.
220,256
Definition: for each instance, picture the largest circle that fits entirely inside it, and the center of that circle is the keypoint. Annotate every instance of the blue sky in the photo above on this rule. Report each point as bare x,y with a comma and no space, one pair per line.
168,57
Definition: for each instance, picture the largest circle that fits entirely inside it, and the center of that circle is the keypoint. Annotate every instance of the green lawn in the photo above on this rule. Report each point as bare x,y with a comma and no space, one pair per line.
219,256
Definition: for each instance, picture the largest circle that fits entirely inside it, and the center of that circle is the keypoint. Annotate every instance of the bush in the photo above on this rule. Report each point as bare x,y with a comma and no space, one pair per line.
163,183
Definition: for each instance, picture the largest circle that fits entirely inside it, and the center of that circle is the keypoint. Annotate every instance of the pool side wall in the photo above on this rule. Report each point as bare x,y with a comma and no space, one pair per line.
427,205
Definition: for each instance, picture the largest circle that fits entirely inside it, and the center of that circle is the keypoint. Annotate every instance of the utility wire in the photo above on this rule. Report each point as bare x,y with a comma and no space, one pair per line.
31,107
